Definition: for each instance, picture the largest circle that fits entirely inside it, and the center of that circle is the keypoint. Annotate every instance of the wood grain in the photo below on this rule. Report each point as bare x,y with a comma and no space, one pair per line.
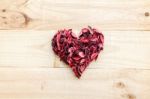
48,15
30,49
30,70
57,83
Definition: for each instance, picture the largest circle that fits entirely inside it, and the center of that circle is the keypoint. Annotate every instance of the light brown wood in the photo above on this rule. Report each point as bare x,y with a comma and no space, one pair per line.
30,49
30,70
49,14
42,83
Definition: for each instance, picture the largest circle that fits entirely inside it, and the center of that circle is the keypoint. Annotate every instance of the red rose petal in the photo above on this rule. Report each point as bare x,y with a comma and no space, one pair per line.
78,52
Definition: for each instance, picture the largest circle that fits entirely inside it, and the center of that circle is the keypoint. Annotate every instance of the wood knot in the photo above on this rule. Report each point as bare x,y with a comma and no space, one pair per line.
120,85
4,17
12,19
27,19
3,10
146,14
129,96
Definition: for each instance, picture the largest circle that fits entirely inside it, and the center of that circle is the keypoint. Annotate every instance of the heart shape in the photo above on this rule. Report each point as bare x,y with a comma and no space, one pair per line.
78,52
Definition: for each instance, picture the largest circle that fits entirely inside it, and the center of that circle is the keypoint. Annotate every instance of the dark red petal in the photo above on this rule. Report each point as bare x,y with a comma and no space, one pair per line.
78,52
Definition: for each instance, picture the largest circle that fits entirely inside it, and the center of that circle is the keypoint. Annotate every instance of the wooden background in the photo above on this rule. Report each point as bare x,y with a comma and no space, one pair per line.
30,70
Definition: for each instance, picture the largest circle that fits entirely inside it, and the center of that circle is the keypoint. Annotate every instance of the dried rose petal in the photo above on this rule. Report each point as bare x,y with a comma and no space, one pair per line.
81,54
78,52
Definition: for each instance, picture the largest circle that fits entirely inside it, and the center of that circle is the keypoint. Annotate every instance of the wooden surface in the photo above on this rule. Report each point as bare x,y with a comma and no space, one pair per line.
30,70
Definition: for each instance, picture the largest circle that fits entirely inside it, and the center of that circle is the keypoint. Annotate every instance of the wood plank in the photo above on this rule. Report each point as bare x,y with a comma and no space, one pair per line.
57,83
26,49
50,14
30,49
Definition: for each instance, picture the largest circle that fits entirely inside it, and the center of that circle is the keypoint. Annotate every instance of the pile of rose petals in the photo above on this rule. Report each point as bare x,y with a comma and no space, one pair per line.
78,52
